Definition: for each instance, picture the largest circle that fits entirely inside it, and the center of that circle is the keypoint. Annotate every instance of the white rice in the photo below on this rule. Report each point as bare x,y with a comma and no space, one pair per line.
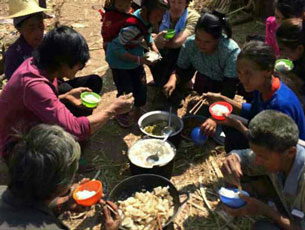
139,152
152,56
228,193
91,98
85,194
219,110
282,66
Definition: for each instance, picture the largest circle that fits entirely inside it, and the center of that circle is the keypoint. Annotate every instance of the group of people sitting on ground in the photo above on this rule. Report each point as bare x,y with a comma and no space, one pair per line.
42,100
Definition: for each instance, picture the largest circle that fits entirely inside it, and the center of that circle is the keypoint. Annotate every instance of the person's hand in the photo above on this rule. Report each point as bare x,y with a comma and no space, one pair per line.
231,169
113,221
169,87
253,207
160,39
67,203
208,127
212,97
231,122
123,104
73,96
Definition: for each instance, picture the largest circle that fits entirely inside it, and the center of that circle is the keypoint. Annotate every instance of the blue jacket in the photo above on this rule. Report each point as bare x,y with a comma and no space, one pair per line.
283,100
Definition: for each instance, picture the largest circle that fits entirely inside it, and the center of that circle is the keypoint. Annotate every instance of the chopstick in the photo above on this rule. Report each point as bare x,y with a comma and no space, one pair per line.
111,209
198,105
159,222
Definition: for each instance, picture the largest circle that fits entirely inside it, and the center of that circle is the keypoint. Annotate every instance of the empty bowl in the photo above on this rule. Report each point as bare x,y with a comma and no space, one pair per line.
170,34
219,108
85,190
90,99
230,197
198,137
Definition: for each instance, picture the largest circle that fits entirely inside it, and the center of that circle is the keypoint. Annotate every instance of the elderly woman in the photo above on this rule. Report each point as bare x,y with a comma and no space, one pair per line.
31,95
183,20
28,20
41,175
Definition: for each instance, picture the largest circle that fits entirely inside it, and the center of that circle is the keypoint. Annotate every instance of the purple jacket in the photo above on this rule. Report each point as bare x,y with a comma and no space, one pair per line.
29,98
15,55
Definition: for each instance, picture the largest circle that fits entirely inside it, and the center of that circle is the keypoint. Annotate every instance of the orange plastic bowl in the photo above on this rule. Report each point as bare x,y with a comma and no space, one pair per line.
93,185
226,104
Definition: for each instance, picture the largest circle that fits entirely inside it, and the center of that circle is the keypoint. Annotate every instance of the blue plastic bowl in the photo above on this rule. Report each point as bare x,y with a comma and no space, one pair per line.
198,137
233,202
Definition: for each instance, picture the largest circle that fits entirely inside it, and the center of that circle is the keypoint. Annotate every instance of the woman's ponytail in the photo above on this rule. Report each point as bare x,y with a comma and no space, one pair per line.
214,23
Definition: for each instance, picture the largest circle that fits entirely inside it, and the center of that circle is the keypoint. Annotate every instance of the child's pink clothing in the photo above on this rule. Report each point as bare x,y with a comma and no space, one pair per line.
271,27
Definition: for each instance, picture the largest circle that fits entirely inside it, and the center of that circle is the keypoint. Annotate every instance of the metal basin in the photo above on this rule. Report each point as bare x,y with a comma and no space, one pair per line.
155,116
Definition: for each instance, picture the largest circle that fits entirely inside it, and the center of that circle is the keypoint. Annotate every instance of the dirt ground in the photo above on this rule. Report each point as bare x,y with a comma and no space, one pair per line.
196,168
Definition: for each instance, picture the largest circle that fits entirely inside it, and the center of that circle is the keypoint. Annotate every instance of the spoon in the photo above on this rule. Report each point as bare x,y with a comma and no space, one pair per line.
166,132
155,157
168,128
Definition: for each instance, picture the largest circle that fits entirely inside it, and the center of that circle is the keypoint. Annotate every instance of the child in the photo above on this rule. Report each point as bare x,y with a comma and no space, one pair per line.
273,139
284,9
125,56
255,66
30,25
113,18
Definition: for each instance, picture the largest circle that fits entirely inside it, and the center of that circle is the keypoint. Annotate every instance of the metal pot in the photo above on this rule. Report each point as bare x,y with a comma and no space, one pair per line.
163,168
147,182
157,116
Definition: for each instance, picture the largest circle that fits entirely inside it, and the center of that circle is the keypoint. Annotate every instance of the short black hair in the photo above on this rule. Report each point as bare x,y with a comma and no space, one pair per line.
291,33
214,23
260,53
290,8
61,46
40,161
273,130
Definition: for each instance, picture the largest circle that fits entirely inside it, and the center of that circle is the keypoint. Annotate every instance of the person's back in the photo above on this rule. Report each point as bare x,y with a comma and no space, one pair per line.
17,214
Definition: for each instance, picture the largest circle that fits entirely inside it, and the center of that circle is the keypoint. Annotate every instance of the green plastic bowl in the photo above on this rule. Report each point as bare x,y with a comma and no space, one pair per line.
170,34
289,65
88,102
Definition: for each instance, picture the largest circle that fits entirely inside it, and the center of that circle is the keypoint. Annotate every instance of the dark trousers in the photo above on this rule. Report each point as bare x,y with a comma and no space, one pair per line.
93,82
162,70
234,139
131,81
264,225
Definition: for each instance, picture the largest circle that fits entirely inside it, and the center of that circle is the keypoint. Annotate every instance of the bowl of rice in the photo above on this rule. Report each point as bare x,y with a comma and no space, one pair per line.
90,99
230,197
89,193
219,109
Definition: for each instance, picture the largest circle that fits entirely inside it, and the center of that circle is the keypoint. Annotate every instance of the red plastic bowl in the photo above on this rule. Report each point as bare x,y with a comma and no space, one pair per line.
93,185
226,104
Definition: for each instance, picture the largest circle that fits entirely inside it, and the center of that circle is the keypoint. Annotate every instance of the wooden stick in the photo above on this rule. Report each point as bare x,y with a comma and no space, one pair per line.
199,107
197,104
111,209
159,222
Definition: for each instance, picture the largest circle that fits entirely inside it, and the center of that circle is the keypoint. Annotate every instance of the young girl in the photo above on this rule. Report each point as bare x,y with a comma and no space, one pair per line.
255,71
284,9
127,63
